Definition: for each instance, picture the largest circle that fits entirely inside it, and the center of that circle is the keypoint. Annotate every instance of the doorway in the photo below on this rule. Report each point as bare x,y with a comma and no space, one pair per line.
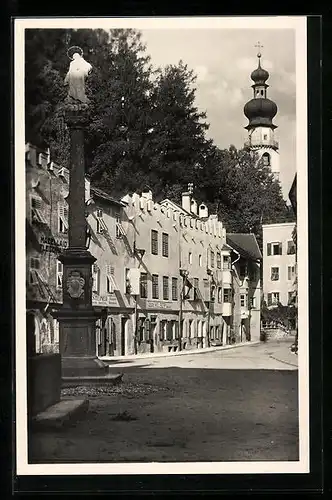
124,336
152,332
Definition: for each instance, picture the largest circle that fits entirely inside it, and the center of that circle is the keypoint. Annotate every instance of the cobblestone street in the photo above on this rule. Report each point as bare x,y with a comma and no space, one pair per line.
232,405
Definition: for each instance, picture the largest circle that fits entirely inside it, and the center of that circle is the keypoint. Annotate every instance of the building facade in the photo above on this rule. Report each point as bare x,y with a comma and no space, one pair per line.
166,276
279,264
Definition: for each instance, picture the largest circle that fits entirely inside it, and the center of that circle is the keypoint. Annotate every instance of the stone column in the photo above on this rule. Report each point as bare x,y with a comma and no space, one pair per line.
77,317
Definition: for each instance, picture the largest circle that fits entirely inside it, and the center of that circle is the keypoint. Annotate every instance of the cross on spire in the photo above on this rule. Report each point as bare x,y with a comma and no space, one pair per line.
259,46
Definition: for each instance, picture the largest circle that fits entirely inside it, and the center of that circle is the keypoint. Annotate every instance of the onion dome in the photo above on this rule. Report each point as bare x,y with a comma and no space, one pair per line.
259,75
260,112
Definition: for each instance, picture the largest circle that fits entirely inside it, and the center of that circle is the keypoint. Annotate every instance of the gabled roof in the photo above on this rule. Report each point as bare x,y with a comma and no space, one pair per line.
245,244
175,206
99,193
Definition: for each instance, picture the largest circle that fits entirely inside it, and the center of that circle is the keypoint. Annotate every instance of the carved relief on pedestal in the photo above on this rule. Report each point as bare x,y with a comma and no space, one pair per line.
75,285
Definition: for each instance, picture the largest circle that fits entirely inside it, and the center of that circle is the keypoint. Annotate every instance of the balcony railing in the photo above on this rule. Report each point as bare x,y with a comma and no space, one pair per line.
252,143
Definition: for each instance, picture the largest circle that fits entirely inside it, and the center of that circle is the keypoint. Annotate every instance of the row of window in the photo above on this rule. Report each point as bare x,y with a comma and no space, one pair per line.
164,243
223,295
273,298
37,216
169,329
276,248
275,274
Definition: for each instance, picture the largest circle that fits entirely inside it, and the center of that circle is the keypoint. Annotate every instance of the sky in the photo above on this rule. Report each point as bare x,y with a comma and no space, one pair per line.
223,60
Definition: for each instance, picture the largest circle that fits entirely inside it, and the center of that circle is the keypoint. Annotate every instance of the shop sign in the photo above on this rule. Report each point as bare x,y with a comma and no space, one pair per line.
104,300
53,245
157,304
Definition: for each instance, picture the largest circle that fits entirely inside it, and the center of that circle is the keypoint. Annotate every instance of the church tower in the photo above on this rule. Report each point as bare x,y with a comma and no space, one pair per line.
260,112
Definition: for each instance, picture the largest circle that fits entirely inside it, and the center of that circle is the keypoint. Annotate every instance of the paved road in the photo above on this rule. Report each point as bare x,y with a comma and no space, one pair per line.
269,356
232,405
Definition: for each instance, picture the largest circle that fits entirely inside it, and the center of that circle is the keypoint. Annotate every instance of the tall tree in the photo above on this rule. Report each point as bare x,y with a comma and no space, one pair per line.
177,143
121,114
46,64
245,193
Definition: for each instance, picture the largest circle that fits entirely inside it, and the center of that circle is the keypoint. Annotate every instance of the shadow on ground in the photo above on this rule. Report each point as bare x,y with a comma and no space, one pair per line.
183,415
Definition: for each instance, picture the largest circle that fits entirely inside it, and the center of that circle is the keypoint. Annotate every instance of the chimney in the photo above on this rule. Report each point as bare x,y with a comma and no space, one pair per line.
147,195
194,206
203,211
186,201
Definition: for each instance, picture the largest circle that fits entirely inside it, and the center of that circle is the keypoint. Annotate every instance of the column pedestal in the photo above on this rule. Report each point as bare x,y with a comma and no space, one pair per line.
77,322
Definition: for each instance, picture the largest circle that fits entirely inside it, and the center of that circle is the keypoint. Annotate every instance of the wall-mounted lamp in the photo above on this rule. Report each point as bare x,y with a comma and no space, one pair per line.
139,251
184,273
209,271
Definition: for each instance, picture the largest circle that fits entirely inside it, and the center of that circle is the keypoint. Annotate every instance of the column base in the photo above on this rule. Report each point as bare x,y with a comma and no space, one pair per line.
87,370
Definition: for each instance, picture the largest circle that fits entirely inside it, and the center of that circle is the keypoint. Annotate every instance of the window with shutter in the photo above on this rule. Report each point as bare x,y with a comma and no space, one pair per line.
165,288
95,278
212,258
165,244
59,274
274,273
33,271
291,273
110,283
155,286
163,329
174,289
227,295
226,262
36,211
154,242
144,286
290,247
196,288
62,218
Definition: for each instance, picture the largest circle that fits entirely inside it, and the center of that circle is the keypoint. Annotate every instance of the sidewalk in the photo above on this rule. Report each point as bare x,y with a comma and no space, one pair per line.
284,354
177,353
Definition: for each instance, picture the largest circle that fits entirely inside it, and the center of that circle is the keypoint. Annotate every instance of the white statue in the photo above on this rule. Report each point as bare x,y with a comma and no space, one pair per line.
79,69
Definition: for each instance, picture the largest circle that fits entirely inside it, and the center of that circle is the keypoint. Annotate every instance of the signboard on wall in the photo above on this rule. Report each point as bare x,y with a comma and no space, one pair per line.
159,304
52,245
104,300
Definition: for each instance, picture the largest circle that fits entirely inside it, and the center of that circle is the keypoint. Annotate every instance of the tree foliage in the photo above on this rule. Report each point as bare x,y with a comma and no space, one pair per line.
145,129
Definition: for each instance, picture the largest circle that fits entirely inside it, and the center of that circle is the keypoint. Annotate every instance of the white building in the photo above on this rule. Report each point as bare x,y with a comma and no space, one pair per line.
279,263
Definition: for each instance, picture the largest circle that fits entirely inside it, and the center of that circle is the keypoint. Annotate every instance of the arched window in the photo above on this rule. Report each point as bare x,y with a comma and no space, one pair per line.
266,159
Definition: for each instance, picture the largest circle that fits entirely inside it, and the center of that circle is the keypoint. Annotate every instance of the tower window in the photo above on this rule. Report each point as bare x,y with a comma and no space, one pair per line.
266,159
265,137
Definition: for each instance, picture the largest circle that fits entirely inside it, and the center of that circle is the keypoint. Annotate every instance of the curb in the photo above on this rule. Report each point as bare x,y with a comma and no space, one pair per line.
109,379
187,352
66,411
282,361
